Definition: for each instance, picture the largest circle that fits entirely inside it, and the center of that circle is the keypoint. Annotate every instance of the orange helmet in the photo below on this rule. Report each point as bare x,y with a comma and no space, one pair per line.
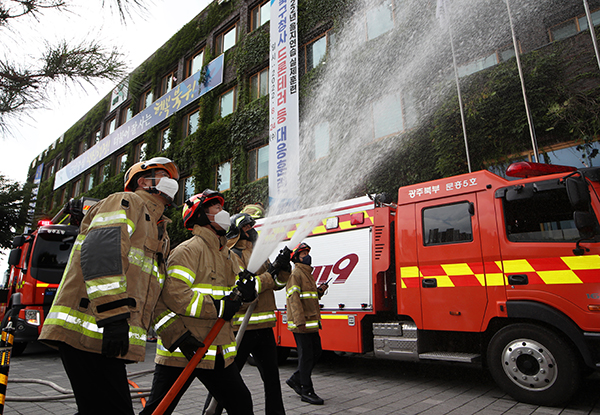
295,256
142,167
193,212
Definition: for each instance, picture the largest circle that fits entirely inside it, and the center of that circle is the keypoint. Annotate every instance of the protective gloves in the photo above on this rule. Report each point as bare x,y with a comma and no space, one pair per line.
115,339
246,284
281,262
190,345
226,307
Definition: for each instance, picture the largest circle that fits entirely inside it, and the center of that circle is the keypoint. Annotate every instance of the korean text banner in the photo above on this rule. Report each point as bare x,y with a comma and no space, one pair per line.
283,106
176,99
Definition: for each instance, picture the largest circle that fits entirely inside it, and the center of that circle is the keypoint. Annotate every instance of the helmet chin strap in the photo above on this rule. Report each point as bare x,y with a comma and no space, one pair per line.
219,232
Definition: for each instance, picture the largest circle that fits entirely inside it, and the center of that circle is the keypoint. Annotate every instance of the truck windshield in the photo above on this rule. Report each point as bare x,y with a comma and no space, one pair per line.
50,256
546,216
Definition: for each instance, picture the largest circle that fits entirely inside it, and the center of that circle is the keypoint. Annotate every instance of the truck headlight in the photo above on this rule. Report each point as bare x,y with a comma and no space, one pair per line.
32,317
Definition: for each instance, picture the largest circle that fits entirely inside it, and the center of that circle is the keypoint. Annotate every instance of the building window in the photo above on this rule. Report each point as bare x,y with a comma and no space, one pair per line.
110,126
317,50
189,188
63,193
61,163
104,172
167,83
227,102
447,224
223,176
194,64
83,146
96,136
321,140
380,20
76,189
226,40
387,116
500,55
573,26
121,163
146,99
88,183
192,121
165,139
140,152
258,163
260,15
126,114
259,84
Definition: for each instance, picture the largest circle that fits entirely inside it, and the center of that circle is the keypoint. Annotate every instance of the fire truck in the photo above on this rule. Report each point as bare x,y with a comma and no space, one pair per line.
472,269
37,261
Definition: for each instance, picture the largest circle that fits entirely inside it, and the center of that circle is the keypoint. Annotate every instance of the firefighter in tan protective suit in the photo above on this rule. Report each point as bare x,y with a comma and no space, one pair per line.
202,274
304,321
259,339
104,304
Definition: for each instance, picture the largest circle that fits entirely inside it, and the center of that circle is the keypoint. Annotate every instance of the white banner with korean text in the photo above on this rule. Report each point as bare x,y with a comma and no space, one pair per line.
283,107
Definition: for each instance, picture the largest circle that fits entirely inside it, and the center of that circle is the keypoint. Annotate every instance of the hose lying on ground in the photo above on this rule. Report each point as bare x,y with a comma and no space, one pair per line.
137,393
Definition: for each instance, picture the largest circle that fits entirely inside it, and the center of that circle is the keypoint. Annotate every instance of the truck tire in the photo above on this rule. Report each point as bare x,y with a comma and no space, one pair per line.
534,365
18,347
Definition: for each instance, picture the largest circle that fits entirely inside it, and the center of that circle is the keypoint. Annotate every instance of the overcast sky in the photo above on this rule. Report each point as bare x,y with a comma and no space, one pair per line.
137,40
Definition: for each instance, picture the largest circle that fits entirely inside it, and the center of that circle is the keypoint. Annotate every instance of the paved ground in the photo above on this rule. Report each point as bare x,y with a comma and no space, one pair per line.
349,385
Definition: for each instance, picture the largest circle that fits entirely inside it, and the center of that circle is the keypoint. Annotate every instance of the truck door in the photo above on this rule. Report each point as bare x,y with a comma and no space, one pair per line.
453,293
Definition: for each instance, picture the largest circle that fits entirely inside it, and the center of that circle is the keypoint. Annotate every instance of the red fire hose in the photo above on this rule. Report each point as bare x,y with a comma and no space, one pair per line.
187,371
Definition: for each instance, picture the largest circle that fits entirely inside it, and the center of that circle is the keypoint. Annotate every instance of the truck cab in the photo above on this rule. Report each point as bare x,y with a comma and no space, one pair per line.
37,262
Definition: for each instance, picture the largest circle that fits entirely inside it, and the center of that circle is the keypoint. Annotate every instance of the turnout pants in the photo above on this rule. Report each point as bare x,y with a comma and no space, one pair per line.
225,383
99,382
261,344
309,350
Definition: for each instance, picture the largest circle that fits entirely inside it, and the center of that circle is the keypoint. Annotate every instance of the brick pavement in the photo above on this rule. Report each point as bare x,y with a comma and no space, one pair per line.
350,385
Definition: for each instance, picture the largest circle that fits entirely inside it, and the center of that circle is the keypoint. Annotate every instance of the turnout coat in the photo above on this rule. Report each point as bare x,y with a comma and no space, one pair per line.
302,298
199,269
115,272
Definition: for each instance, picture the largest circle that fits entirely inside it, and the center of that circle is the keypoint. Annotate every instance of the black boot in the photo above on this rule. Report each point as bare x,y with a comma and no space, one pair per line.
294,385
309,395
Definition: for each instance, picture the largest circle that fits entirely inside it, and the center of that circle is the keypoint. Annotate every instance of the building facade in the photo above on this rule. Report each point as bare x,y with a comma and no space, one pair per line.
377,81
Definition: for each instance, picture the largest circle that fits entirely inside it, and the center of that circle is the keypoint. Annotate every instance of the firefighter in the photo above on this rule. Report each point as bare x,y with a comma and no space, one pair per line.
259,339
304,321
201,276
256,211
103,306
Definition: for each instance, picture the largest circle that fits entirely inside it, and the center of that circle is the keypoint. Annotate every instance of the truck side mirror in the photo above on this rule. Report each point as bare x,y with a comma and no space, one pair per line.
585,222
578,193
14,257
18,241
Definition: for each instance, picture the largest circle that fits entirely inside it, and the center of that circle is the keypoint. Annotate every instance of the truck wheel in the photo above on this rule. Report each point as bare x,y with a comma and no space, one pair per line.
18,347
534,365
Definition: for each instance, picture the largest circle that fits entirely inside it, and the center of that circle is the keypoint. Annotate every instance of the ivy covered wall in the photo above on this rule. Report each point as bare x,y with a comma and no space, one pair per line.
493,102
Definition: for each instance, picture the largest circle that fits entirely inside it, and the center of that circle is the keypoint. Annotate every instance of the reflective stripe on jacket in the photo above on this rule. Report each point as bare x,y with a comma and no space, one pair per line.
302,301
198,271
115,271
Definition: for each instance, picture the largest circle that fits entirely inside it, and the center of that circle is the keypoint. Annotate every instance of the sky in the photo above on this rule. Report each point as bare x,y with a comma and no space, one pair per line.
143,33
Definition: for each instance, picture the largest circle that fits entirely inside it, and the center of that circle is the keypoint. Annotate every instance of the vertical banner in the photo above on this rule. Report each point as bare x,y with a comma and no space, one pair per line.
283,107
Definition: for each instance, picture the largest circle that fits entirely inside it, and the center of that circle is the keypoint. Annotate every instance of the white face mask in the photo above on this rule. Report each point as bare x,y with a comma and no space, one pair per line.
168,186
223,220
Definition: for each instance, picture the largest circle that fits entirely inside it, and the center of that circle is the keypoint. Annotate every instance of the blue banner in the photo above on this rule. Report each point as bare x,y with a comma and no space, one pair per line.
176,99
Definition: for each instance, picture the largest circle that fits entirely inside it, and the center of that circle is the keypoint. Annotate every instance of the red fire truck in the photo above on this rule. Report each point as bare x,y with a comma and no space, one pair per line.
474,269
37,262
